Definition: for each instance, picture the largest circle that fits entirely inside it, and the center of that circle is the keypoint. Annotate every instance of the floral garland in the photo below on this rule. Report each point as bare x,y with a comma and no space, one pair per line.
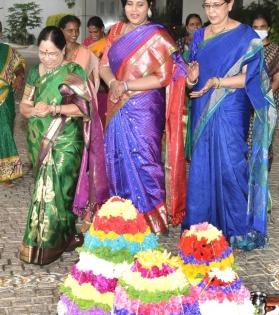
154,272
201,249
102,284
121,226
149,242
66,306
151,258
171,306
118,207
138,237
195,273
87,292
99,266
116,257
203,230
81,303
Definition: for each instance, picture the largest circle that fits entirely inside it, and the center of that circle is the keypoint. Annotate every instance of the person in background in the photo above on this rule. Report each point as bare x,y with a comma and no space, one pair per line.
11,80
96,30
192,23
70,25
146,78
262,26
224,187
61,113
97,47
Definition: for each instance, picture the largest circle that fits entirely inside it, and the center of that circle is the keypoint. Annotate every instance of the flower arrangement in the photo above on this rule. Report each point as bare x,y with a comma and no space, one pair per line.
155,284
222,292
202,248
117,233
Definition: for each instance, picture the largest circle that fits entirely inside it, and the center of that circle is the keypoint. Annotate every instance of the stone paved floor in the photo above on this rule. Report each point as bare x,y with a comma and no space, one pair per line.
28,289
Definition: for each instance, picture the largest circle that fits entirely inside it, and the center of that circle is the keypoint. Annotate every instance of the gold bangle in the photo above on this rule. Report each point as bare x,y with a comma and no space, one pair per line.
192,83
217,85
110,82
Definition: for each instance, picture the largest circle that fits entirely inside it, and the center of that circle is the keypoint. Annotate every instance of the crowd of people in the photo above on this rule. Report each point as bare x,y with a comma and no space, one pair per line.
106,117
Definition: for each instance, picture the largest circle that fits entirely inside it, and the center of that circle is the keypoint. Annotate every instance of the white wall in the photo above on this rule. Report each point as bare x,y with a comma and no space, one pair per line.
193,6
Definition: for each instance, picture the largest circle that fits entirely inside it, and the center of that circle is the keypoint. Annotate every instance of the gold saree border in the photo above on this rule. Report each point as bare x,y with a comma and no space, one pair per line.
10,168
157,219
39,255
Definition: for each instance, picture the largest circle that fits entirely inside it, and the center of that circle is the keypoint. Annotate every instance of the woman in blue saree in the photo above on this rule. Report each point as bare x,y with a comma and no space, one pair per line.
146,77
225,188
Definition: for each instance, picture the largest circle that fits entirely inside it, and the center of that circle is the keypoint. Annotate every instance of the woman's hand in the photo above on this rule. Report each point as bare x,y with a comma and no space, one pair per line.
117,89
212,82
41,109
193,71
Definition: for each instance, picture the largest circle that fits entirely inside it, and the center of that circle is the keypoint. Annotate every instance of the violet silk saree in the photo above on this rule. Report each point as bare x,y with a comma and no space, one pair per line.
135,125
225,188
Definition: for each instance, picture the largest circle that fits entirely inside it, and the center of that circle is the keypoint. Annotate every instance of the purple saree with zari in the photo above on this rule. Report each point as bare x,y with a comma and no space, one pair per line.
136,124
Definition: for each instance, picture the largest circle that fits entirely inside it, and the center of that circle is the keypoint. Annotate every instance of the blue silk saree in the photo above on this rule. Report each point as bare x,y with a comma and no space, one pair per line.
225,188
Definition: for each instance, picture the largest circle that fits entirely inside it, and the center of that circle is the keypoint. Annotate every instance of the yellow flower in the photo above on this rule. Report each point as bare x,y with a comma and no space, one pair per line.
210,234
121,208
102,235
151,258
87,292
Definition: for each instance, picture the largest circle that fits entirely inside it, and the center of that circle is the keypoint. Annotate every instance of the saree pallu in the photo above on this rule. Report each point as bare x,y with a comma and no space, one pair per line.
50,222
135,125
97,48
225,188
10,163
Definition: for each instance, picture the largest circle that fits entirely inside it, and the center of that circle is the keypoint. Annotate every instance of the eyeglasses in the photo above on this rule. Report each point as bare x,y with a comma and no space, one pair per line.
214,6
51,55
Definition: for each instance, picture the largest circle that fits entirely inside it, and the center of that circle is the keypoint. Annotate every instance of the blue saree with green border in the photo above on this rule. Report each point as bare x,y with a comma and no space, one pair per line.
225,188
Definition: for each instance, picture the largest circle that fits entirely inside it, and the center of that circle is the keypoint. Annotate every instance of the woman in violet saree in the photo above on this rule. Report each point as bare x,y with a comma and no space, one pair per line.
11,78
140,60
59,108
225,188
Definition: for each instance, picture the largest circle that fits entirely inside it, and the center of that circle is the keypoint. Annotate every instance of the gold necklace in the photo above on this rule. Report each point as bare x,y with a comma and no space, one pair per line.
222,30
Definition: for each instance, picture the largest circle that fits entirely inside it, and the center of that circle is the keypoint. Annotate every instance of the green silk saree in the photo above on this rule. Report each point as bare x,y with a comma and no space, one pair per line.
10,63
51,223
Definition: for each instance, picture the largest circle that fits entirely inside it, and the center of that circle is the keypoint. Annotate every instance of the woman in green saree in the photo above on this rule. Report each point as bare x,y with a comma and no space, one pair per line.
58,106
11,78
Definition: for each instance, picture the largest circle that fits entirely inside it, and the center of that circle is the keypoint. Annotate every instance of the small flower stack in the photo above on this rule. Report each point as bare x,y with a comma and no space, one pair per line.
155,284
222,292
117,233
202,248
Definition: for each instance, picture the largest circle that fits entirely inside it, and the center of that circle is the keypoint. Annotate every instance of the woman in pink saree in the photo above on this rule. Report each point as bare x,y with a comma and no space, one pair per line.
146,77
75,52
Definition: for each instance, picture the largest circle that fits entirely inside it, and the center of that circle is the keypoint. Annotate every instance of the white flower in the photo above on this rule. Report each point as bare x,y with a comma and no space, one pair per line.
227,275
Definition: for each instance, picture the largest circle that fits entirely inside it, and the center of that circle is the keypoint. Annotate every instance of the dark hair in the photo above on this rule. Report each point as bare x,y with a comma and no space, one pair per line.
0,27
67,19
95,21
192,15
125,1
260,15
54,34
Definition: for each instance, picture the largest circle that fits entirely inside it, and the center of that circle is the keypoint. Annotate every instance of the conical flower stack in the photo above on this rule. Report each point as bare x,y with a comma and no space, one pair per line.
155,284
202,248
222,292
209,265
117,233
